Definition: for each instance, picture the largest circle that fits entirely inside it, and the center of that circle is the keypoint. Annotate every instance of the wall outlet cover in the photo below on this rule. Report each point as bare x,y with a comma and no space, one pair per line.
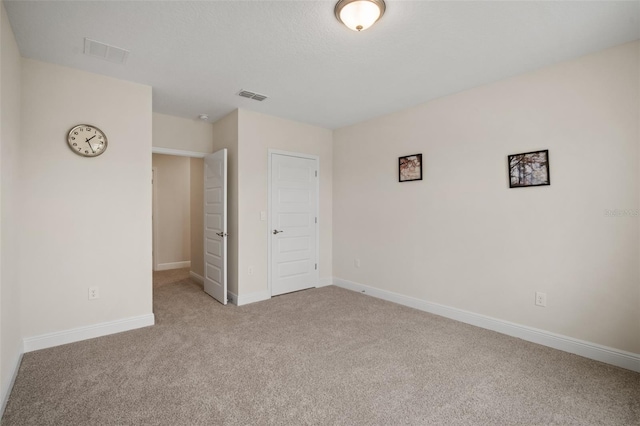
94,293
541,299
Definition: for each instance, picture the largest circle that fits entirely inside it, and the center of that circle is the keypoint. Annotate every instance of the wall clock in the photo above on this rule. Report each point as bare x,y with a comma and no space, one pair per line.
87,140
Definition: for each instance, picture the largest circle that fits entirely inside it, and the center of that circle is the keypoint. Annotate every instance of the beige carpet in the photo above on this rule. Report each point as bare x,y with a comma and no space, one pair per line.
326,356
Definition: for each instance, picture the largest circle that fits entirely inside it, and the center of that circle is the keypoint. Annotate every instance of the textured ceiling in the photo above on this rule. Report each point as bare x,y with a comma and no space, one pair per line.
198,55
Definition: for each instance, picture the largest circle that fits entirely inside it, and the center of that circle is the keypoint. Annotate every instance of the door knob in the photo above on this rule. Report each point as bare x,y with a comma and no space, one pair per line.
221,234
275,231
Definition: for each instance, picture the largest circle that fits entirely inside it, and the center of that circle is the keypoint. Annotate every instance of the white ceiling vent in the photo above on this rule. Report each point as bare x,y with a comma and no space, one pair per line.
252,95
105,51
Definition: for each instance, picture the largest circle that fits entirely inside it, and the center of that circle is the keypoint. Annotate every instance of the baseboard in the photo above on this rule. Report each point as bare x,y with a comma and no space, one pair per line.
89,332
231,297
197,278
253,298
7,387
173,265
619,358
323,282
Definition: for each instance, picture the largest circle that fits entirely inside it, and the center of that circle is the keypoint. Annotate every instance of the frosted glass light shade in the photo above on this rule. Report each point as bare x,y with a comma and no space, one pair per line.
359,15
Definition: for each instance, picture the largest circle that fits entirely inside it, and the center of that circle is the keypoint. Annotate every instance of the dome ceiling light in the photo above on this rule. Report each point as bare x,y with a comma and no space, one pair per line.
359,15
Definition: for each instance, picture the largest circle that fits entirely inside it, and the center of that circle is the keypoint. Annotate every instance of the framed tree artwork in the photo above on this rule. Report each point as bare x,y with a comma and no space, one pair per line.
410,168
529,169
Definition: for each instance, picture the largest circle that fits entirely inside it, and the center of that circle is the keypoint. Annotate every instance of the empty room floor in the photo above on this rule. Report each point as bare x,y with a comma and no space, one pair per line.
321,356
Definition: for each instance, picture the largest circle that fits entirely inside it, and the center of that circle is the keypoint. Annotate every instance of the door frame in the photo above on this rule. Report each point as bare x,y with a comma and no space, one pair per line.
270,154
154,216
154,206
178,152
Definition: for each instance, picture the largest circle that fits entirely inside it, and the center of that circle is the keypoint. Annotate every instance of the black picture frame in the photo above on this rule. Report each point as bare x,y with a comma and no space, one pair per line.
410,168
529,169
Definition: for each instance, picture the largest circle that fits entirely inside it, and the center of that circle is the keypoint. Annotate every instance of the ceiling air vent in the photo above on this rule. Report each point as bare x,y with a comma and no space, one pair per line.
105,51
252,95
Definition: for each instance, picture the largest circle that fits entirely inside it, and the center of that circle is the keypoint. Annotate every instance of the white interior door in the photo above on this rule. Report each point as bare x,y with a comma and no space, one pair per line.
215,225
294,217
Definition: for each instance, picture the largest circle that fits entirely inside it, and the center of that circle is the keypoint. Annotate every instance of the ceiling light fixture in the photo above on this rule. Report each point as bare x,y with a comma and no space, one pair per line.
203,117
359,15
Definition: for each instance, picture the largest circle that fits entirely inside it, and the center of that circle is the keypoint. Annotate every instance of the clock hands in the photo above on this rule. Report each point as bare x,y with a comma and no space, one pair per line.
91,146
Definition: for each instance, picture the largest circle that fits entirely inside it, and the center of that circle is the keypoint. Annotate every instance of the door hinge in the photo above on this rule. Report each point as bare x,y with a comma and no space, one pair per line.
316,220
316,173
316,266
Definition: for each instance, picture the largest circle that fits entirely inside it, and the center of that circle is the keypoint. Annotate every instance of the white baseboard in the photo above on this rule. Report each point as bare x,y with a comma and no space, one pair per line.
628,360
253,298
89,332
8,386
231,297
323,282
173,265
197,278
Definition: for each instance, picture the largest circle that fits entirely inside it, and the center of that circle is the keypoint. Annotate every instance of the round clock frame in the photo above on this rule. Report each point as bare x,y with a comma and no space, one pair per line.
88,148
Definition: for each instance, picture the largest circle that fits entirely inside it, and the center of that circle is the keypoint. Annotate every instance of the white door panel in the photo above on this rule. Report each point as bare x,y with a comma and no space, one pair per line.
215,225
294,211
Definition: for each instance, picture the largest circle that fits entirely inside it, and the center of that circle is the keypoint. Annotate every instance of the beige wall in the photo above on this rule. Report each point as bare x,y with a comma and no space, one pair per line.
462,238
85,221
257,134
225,135
248,136
10,328
197,215
182,134
173,210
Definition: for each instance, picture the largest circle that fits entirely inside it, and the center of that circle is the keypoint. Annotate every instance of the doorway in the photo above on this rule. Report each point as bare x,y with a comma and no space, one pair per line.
293,221
177,218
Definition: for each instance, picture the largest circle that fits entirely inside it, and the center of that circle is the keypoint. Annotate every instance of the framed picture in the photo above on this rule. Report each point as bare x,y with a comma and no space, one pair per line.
529,169
410,168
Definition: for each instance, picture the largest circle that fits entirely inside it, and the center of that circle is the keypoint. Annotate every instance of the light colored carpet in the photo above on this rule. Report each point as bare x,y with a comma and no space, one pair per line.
172,276
326,356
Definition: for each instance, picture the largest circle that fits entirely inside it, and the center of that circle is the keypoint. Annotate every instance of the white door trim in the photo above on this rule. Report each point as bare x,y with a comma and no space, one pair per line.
154,213
177,152
269,225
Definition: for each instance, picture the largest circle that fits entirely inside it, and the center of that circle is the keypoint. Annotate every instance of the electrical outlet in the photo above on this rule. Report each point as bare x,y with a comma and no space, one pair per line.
356,262
250,270
541,299
94,293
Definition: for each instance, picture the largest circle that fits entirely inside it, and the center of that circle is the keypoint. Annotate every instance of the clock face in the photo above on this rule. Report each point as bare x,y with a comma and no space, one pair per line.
87,140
